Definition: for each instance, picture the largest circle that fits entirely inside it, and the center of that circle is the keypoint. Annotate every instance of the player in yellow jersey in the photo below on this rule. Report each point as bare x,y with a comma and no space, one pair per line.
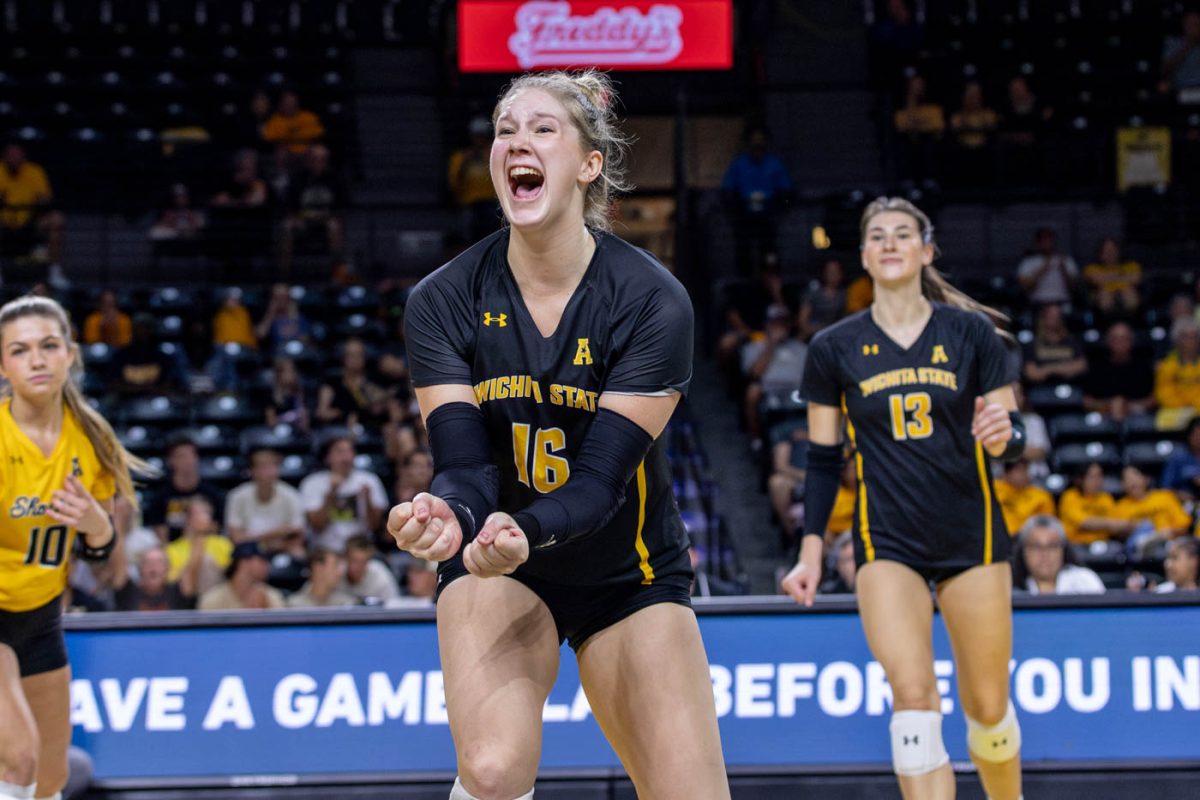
60,467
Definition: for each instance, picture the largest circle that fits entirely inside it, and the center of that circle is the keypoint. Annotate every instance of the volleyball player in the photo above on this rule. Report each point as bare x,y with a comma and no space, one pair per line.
921,376
60,467
547,360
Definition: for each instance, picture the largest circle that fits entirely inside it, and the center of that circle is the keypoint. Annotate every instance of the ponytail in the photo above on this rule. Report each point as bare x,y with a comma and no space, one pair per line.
934,285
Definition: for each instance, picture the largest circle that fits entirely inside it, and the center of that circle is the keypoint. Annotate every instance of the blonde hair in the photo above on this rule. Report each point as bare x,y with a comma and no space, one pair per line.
590,101
112,454
934,285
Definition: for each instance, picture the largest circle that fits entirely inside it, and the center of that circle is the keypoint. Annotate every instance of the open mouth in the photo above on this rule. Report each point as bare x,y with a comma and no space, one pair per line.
525,183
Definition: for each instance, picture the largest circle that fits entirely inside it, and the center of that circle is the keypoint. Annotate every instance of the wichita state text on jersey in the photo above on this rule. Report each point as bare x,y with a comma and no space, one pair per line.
627,328
925,490
34,548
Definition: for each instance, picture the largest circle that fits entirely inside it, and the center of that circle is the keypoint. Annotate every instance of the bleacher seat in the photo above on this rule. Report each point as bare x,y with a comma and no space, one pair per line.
1091,427
1150,456
224,471
161,411
1052,400
213,439
282,437
1141,428
230,409
1071,457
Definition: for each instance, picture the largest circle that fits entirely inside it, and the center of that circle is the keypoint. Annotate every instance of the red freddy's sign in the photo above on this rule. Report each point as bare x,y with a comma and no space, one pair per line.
509,35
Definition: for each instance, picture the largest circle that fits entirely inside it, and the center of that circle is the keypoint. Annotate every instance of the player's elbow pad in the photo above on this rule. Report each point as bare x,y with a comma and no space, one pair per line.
821,480
463,474
610,455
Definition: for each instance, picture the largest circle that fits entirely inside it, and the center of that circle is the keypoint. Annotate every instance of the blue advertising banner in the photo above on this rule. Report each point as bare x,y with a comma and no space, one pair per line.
796,689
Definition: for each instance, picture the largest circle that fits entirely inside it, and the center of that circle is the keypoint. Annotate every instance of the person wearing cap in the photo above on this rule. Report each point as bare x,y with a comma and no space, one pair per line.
773,364
470,181
245,583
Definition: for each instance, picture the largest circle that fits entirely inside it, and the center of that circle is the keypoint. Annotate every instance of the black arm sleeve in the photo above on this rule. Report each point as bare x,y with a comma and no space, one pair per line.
821,486
609,457
463,474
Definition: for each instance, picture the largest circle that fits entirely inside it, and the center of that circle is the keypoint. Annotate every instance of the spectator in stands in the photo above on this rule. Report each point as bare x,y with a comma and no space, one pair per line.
323,588
245,583
785,486
282,321
142,368
245,189
1044,563
1054,355
179,221
201,540
231,325
1156,514
1047,275
1182,471
265,509
860,294
286,402
1182,566
108,324
420,579
1088,513
773,366
342,501
920,125
353,398
973,126
841,576
1022,127
825,300
1181,60
316,201
745,309
1182,308
291,126
1118,382
1112,282
151,591
1019,499
757,188
415,475
26,217
167,510
896,38
470,180
1177,378
250,126
367,578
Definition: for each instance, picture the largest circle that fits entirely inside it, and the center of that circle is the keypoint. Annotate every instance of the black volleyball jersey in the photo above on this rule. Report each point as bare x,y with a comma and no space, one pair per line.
626,329
923,480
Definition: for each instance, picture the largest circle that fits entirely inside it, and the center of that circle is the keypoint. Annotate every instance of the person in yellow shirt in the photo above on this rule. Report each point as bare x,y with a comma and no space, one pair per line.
1177,377
232,325
1113,284
859,294
1157,511
201,542
1087,511
25,213
108,324
1019,499
919,125
61,465
842,517
469,177
291,126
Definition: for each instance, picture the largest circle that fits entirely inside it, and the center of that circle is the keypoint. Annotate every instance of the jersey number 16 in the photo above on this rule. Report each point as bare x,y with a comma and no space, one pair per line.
548,471
917,426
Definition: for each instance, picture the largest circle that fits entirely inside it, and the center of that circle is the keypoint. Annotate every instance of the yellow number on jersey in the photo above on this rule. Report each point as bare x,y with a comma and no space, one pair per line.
549,471
920,426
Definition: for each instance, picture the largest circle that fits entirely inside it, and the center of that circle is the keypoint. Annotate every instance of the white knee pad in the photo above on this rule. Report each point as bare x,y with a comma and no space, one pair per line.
460,793
10,791
917,747
996,743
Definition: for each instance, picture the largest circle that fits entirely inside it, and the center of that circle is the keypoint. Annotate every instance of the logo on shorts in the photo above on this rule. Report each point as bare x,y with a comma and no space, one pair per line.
501,320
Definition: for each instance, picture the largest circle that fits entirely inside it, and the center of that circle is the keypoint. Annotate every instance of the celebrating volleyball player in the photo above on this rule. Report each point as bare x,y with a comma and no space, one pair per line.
60,466
547,360
922,377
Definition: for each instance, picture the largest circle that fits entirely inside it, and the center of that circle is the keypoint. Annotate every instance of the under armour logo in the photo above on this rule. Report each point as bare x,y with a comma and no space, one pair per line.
500,319
870,349
913,740
76,470
1000,743
16,460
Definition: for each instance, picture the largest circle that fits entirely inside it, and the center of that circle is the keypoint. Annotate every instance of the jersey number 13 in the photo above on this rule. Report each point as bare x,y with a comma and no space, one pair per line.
910,415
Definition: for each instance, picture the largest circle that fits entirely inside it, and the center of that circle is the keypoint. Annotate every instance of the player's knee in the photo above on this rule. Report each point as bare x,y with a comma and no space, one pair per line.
915,694
917,746
19,747
997,742
491,773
